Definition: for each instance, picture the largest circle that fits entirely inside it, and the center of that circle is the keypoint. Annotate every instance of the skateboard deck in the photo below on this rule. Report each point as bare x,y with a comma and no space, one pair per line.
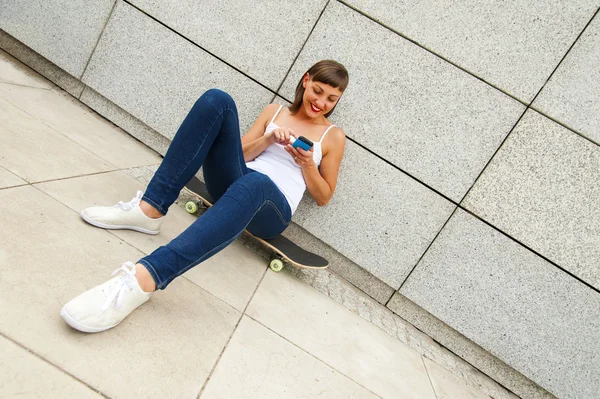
286,251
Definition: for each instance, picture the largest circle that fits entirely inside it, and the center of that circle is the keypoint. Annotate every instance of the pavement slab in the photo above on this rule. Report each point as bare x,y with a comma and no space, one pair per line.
35,152
339,338
64,114
260,364
24,375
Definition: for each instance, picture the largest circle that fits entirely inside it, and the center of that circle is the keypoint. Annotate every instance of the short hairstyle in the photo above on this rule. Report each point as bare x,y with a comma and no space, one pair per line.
326,71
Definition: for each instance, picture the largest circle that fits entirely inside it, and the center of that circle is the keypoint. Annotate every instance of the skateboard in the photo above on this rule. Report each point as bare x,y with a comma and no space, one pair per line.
285,251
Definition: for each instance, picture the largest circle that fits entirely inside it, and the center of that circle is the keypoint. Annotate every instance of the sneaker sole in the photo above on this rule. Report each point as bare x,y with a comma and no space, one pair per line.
116,226
80,327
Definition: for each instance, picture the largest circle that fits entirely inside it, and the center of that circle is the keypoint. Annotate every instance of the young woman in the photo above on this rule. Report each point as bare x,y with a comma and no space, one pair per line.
257,183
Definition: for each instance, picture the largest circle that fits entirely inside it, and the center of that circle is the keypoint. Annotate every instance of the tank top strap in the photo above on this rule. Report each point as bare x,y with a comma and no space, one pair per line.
276,113
323,136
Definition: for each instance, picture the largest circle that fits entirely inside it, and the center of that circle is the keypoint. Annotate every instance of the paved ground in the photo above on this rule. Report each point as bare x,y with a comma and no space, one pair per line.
230,328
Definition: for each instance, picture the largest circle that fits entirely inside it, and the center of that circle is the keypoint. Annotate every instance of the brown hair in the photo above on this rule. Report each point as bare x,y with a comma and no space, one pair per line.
326,71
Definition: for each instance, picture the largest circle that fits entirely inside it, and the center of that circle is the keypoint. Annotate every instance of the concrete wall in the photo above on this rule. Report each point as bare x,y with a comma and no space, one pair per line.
471,181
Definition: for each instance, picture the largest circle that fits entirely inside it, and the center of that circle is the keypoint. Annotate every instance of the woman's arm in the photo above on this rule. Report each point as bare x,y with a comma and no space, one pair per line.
321,182
255,141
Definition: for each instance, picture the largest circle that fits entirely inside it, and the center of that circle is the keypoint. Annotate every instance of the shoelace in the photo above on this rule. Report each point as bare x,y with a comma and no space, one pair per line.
122,286
126,206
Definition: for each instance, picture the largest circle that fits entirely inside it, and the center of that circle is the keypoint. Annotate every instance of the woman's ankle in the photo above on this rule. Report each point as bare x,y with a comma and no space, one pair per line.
144,278
149,210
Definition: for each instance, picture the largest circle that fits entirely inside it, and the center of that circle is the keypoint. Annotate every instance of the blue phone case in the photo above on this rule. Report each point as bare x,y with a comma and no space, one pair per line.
301,144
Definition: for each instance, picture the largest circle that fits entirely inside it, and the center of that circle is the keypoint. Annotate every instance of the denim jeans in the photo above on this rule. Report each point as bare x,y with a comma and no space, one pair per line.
210,137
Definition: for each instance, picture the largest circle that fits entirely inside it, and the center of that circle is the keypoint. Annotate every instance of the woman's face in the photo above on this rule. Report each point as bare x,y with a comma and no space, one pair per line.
319,98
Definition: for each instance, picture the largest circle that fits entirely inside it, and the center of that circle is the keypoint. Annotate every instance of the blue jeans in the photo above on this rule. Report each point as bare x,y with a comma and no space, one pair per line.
210,137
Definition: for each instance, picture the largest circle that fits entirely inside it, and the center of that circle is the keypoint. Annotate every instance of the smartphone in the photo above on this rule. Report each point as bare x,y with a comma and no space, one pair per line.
303,143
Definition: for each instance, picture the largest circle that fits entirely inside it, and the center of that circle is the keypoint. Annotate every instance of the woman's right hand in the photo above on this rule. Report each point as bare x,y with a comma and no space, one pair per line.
281,135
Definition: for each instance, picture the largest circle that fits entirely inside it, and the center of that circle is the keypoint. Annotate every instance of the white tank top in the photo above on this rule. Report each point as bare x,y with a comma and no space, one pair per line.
280,166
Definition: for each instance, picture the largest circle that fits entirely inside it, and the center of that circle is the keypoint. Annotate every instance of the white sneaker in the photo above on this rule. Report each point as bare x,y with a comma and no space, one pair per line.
124,215
106,305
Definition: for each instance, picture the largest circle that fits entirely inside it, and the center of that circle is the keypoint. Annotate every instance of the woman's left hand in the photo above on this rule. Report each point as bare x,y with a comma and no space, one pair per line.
302,157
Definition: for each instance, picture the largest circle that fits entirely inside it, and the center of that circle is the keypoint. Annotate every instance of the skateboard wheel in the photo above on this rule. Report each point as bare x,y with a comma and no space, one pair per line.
276,265
191,207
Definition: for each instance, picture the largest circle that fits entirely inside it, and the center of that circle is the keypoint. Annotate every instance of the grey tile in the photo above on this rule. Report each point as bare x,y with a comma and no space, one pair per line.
477,360
339,338
179,333
156,75
543,189
513,45
26,376
420,113
125,120
35,152
513,303
571,95
40,64
14,72
69,117
391,216
260,364
261,38
63,33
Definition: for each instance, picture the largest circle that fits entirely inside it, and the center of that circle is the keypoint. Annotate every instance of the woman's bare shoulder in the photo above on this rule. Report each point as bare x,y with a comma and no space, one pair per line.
337,134
271,109
268,113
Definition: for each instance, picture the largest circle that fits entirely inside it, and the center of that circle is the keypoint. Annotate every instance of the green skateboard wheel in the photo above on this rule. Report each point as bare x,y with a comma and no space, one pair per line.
276,265
191,207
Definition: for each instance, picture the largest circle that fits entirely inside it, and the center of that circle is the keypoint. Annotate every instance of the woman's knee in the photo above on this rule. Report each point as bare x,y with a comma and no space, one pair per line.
216,97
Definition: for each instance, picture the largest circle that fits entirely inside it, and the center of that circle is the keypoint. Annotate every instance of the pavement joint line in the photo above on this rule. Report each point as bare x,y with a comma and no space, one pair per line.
563,124
564,57
310,354
231,335
74,177
58,368
302,47
247,75
413,41
423,255
4,82
18,185
493,156
112,9
429,377
551,262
